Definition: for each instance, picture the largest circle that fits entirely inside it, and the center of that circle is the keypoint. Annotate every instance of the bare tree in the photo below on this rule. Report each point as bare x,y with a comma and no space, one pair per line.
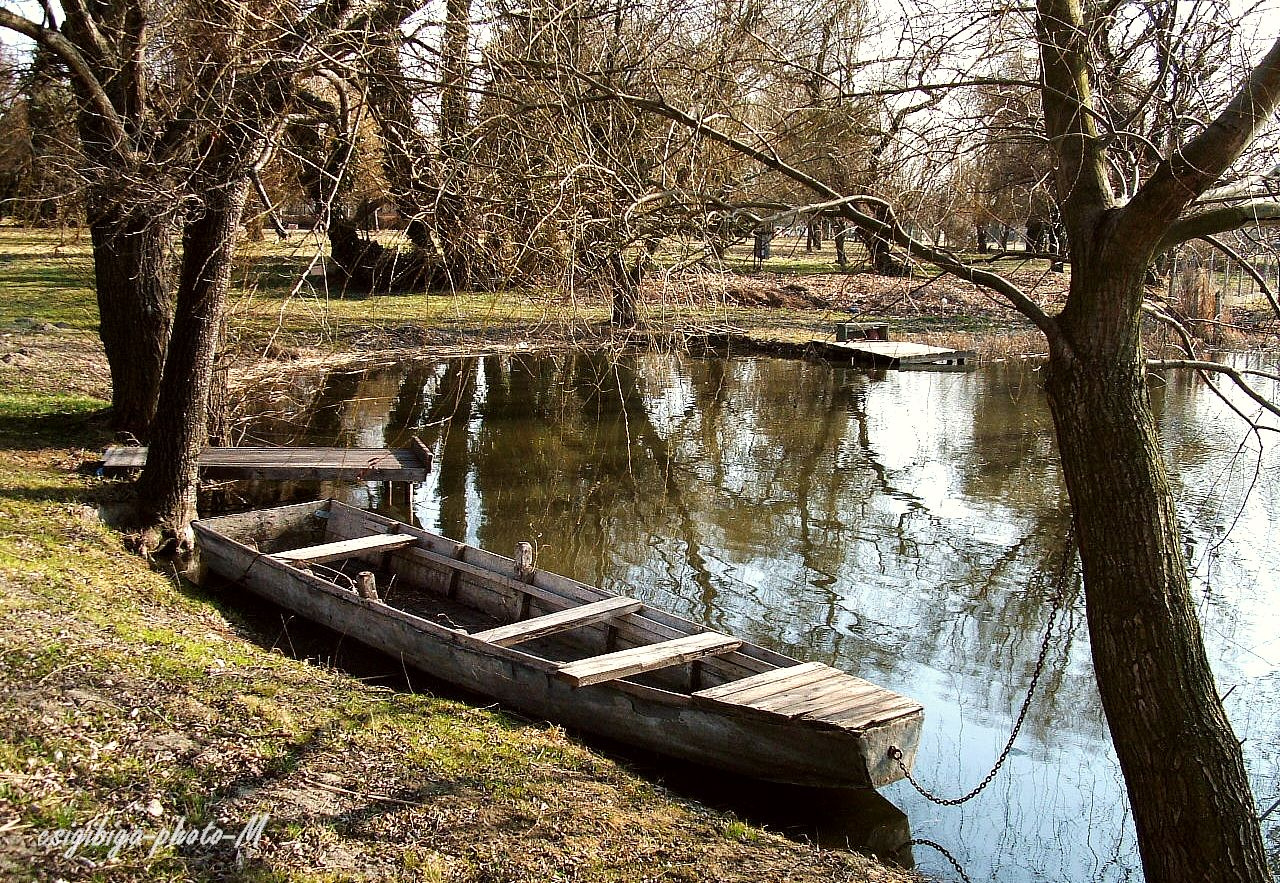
177,108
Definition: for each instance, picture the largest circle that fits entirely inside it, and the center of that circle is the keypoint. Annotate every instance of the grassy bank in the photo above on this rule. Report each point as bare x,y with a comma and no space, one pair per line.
133,701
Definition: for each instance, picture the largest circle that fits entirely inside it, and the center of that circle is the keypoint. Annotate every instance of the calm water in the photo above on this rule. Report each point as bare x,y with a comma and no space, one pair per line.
899,526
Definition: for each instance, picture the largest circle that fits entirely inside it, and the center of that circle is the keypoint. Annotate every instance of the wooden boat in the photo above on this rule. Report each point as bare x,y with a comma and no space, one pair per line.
557,649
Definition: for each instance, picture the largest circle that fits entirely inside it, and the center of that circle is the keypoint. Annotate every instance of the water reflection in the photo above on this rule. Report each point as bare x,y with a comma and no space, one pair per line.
894,525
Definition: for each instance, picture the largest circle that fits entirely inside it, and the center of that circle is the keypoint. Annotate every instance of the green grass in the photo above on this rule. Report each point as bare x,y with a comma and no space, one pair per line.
48,278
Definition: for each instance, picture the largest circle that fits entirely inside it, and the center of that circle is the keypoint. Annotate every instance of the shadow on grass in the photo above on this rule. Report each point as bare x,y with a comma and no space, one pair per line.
72,282
46,495
36,422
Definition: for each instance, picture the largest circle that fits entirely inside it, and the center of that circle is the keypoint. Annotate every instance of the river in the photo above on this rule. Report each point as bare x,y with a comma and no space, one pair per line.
904,526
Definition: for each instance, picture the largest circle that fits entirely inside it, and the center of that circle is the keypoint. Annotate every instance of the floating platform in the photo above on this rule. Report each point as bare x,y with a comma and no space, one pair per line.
897,354
293,464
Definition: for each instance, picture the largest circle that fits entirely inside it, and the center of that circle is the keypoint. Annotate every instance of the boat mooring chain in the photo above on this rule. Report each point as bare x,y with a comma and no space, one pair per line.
1066,570
946,853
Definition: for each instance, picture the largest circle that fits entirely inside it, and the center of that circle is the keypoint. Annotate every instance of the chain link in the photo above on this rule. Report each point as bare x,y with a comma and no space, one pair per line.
946,853
1066,569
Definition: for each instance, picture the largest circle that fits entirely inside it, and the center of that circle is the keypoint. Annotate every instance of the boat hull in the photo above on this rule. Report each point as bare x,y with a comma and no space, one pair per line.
738,740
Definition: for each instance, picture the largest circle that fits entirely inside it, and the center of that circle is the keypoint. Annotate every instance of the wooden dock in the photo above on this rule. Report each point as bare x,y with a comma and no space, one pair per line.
293,464
879,352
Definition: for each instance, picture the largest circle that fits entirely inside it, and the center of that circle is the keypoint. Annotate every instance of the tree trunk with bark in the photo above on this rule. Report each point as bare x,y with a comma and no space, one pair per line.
1181,761
879,250
169,482
132,276
456,226
626,285
1192,805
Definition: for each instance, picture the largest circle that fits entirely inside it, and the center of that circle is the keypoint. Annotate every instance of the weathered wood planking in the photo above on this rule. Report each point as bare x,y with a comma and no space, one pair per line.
817,693
895,353
292,464
346,548
551,623
624,663
487,585
768,683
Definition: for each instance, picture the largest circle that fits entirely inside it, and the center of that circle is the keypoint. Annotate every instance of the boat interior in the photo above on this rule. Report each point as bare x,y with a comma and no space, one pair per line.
590,636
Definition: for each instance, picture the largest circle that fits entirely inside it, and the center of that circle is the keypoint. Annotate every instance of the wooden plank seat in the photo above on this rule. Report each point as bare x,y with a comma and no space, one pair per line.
816,692
634,660
382,542
561,620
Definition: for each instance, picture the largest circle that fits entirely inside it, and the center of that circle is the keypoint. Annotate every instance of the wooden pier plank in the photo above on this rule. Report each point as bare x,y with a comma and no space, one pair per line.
561,620
895,353
346,548
623,663
293,463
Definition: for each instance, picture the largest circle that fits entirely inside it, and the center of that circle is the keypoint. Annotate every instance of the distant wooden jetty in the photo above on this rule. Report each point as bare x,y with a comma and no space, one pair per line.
409,465
870,345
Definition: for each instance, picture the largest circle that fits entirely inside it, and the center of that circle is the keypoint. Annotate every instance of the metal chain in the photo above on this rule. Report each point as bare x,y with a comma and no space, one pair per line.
1065,570
946,853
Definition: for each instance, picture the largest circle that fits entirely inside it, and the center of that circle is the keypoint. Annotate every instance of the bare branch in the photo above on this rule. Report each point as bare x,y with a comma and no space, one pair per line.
78,18
890,230
1248,268
1194,168
80,70
1067,98
1237,377
1158,312
1220,220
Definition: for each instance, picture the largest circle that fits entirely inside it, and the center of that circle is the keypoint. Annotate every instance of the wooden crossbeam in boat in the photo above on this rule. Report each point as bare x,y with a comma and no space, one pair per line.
561,620
623,663
381,542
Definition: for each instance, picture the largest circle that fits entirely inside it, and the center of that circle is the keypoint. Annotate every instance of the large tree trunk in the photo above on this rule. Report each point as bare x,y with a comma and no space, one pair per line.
168,485
879,250
1182,764
132,277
